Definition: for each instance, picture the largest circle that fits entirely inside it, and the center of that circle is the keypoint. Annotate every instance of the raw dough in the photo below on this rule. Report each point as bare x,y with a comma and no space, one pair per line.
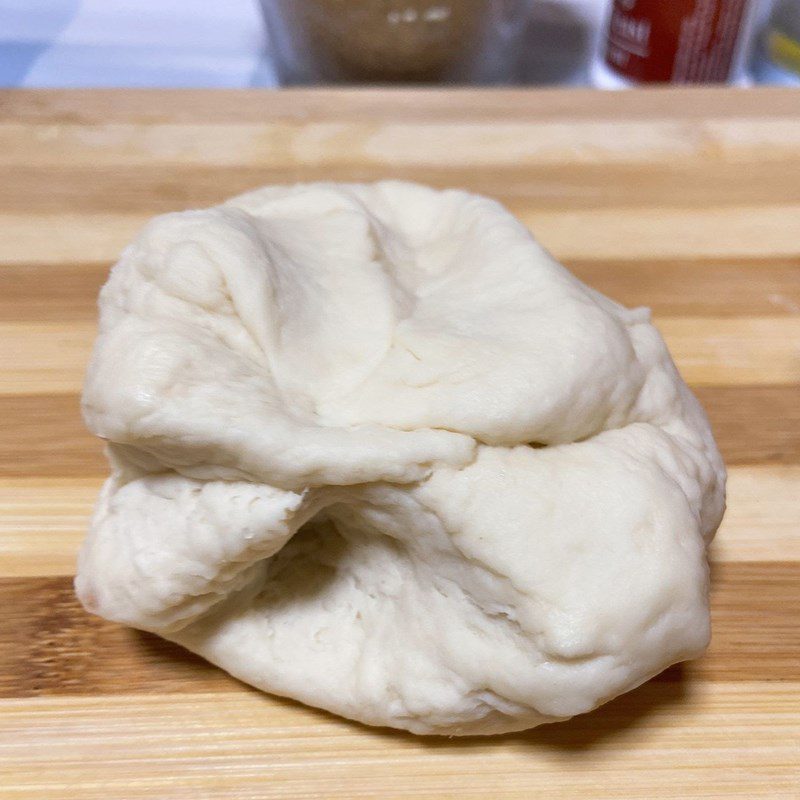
374,449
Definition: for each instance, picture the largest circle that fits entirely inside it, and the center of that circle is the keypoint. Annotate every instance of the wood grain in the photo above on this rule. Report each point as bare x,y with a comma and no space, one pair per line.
689,105
43,520
428,143
49,645
54,292
44,357
50,357
752,425
671,288
741,351
684,200
640,231
762,522
48,438
697,287
671,740
543,186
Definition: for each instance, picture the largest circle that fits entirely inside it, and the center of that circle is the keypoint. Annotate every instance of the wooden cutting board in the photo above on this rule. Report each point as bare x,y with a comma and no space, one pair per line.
687,201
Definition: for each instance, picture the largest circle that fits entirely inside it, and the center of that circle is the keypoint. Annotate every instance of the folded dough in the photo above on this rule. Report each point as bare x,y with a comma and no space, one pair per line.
374,449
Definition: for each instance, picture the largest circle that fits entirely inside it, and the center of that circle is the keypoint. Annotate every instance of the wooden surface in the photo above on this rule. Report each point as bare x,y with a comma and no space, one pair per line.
688,201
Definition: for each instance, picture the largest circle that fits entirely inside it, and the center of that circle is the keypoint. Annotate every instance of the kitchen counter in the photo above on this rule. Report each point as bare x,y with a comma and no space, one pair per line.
684,200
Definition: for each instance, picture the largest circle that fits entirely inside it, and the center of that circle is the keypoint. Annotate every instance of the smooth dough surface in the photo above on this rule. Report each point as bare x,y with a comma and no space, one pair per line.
374,449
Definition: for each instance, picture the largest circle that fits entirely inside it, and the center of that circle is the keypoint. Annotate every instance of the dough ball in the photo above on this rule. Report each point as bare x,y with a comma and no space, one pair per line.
374,449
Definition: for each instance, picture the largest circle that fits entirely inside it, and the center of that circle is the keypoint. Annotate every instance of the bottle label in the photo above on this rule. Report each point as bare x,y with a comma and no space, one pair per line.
680,41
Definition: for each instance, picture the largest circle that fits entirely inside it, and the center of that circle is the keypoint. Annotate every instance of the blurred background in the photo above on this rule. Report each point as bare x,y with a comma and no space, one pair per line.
244,43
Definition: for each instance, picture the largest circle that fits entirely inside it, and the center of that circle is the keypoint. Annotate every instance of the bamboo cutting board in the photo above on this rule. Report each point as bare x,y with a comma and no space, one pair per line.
687,201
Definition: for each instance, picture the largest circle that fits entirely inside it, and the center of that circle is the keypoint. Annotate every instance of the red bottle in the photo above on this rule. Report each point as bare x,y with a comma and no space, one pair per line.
680,41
